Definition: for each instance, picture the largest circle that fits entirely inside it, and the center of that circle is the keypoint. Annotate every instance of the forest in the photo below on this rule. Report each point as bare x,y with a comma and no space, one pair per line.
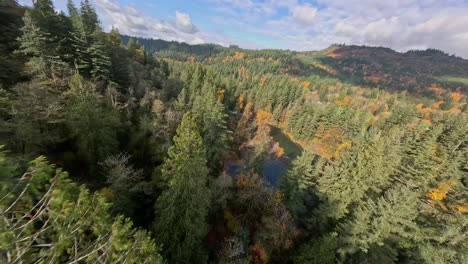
120,149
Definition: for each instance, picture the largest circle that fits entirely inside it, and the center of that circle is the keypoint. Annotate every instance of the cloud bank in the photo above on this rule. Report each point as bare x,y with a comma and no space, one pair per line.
303,25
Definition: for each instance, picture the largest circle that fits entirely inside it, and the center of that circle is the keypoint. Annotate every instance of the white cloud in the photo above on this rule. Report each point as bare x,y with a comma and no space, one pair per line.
184,23
304,14
399,24
132,21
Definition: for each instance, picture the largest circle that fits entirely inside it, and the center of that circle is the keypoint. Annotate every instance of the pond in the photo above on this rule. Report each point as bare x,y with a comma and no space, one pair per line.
291,148
273,170
233,169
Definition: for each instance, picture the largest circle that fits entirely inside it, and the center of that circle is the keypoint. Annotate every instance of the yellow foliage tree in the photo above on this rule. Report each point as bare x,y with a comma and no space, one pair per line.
263,117
456,96
345,102
305,84
240,104
438,104
220,94
440,192
277,150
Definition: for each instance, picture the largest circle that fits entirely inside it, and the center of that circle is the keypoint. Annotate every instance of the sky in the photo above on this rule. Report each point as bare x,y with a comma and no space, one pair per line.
293,24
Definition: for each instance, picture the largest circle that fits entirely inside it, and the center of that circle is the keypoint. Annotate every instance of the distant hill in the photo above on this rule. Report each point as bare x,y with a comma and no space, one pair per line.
159,45
414,70
417,71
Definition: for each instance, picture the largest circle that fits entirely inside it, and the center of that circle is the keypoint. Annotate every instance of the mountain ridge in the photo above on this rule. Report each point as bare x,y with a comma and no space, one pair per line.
382,67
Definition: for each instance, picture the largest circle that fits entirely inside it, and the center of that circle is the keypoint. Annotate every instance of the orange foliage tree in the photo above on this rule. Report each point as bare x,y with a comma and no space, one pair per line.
277,150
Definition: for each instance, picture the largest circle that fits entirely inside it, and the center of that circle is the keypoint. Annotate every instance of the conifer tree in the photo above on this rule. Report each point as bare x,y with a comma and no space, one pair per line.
183,207
56,25
363,169
382,222
321,251
10,25
100,61
211,118
297,185
119,71
92,122
34,43
74,14
48,218
89,18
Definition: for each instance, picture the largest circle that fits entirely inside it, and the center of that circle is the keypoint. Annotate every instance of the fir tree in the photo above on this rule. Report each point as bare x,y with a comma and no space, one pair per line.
89,18
10,25
74,15
183,208
211,118
44,61
297,185
48,218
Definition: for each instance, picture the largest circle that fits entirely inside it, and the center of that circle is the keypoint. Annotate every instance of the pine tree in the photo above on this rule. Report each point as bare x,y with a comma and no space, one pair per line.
10,24
211,117
419,162
181,103
364,169
182,209
382,222
48,218
44,61
89,18
321,251
297,185
33,41
92,122
81,57
57,26
100,61
74,15
44,15
119,71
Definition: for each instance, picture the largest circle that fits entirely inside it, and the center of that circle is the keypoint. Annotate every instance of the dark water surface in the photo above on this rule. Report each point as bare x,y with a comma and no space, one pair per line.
273,170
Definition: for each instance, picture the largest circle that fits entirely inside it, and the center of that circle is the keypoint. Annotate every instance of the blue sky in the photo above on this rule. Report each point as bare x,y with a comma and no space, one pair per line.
293,24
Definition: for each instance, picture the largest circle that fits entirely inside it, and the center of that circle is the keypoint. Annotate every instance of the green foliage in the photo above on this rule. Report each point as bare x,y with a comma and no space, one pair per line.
319,251
183,207
452,79
364,169
89,18
297,184
390,220
91,122
36,114
48,218
125,182
35,43
382,178
209,113
10,25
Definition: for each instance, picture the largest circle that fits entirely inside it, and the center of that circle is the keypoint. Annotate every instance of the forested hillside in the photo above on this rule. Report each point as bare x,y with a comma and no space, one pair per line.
414,71
117,149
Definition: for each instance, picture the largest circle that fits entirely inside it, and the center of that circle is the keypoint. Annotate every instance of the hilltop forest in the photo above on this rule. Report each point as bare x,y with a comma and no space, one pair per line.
117,149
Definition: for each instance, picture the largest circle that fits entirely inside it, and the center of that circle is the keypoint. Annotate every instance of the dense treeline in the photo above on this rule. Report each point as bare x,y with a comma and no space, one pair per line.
174,48
133,145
